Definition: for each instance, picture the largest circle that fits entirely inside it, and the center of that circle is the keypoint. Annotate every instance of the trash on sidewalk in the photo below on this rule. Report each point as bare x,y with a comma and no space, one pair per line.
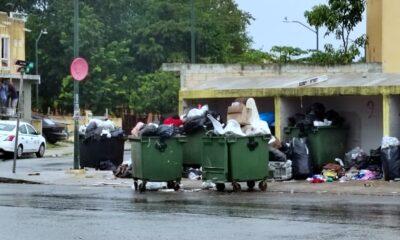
208,185
101,145
390,152
192,173
34,174
123,171
281,170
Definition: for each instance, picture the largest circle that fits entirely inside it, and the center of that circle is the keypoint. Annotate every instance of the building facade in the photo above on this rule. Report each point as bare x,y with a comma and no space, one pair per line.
12,48
384,34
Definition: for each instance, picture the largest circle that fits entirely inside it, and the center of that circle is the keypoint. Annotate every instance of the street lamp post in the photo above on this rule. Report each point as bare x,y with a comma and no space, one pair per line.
308,27
43,31
192,33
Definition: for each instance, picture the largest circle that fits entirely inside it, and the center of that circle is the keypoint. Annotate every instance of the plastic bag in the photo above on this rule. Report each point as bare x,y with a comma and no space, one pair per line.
197,112
233,127
165,131
301,160
194,124
355,158
389,141
149,130
391,162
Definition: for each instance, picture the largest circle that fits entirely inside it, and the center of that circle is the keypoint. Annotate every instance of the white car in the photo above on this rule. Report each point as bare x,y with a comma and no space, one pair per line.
29,140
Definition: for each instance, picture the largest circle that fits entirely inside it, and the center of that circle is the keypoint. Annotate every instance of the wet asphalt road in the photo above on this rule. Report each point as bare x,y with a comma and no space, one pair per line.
66,212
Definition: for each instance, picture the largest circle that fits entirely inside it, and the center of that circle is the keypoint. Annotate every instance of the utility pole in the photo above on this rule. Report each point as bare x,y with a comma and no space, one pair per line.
76,87
316,30
192,33
18,113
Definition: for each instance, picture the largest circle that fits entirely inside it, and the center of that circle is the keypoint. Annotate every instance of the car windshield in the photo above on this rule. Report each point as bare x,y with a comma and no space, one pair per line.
6,127
49,121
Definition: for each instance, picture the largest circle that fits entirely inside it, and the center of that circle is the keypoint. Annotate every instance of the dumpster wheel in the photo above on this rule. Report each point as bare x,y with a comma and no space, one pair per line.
236,187
170,185
176,186
142,186
262,185
220,187
251,184
135,184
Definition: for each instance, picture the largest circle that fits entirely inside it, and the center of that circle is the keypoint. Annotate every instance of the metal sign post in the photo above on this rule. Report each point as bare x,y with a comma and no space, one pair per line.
18,113
76,86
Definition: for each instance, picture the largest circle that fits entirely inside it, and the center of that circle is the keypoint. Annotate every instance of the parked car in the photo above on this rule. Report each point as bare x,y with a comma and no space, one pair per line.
52,131
29,140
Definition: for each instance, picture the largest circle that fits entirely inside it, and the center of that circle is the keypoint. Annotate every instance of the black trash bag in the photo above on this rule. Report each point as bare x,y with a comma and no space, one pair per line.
194,124
91,126
356,158
277,155
390,158
166,131
317,111
107,165
333,116
148,130
301,159
119,133
298,117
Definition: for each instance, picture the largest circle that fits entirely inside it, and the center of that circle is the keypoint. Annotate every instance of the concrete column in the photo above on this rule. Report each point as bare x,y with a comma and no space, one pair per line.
386,115
278,123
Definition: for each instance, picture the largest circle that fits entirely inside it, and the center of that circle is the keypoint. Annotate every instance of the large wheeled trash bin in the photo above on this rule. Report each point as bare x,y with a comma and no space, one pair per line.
155,159
192,150
94,151
326,143
236,159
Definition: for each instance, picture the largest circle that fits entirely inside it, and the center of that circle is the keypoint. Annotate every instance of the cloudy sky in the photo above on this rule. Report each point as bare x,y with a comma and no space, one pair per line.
268,28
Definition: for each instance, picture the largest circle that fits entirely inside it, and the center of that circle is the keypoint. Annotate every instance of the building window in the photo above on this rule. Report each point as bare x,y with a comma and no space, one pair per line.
5,52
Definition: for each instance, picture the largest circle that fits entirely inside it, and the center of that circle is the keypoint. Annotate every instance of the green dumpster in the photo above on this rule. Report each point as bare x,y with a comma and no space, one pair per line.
326,144
236,159
192,150
157,160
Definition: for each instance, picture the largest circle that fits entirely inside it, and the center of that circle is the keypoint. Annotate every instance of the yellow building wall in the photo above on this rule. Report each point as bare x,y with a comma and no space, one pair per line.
374,30
14,29
383,32
391,36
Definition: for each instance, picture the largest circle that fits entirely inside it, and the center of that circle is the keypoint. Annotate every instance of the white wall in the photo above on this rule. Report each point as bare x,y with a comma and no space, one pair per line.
394,119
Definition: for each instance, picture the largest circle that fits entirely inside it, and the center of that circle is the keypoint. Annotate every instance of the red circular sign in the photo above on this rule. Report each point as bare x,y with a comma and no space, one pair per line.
79,69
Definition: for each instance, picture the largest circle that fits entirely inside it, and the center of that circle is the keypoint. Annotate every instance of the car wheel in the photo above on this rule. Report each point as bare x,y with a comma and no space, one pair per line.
40,152
20,151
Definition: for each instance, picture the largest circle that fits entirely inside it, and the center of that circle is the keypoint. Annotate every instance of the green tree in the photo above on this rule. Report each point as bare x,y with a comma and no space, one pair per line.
124,41
340,17
286,54
158,92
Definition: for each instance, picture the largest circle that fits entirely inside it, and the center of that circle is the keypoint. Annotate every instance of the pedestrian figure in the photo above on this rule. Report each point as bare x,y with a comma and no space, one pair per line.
3,97
12,95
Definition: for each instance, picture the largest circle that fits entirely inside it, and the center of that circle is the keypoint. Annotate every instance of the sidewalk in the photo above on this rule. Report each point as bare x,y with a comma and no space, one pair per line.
57,171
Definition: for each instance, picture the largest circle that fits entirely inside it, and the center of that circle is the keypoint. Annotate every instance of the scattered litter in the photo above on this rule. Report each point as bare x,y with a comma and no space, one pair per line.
207,185
34,174
166,190
105,183
156,185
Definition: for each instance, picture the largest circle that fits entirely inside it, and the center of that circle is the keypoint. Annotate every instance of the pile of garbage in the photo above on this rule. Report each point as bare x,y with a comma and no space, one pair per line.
316,116
98,129
196,120
243,119
383,162
101,145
